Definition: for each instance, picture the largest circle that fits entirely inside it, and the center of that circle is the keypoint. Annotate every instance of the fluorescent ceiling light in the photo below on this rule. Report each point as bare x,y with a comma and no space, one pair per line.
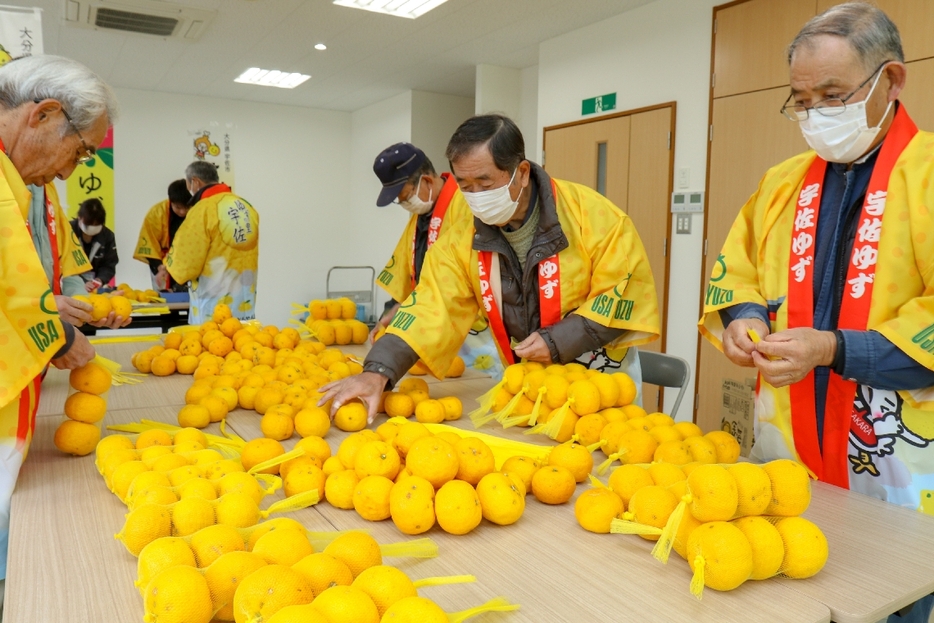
400,8
321,46
271,78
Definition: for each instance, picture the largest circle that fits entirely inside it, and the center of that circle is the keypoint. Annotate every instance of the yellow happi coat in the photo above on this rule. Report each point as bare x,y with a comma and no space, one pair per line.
890,447
397,277
217,249
30,334
604,271
153,239
72,259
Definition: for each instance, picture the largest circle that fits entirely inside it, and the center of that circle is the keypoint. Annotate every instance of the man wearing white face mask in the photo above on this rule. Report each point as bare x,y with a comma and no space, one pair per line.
830,262
556,269
410,181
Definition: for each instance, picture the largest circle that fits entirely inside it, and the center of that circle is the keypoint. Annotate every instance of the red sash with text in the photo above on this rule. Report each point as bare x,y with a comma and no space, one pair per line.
437,217
549,295
829,462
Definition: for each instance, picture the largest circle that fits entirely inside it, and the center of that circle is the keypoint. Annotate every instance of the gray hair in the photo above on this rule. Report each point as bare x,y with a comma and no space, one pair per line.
869,30
81,92
204,171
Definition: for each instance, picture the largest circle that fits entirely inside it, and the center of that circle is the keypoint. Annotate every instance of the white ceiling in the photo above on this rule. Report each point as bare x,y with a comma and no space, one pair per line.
370,56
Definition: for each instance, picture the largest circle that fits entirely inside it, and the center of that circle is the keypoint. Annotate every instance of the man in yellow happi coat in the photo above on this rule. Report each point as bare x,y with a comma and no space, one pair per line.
831,262
558,271
158,231
53,114
409,179
216,248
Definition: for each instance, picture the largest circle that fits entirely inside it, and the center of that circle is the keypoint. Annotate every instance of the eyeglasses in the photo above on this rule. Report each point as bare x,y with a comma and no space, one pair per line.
88,154
830,107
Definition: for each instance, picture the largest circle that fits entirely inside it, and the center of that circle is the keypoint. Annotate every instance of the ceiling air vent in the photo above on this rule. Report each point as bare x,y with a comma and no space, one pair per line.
135,22
147,17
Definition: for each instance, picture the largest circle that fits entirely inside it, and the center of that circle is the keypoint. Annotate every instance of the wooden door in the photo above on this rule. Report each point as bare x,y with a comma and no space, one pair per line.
914,18
627,157
649,198
749,136
572,153
918,95
750,43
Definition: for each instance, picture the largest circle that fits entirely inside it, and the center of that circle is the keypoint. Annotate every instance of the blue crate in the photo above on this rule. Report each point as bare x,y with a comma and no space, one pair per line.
175,297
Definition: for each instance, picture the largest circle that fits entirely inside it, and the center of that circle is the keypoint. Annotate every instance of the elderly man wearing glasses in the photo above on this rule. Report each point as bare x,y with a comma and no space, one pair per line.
39,141
831,263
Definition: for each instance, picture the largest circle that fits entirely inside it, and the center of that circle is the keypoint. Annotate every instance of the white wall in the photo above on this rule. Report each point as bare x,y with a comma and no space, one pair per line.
498,89
528,114
656,53
371,233
434,119
427,120
290,163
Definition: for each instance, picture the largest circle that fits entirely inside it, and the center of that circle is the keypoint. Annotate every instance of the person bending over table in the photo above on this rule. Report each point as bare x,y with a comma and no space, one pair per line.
216,248
557,270
158,231
54,112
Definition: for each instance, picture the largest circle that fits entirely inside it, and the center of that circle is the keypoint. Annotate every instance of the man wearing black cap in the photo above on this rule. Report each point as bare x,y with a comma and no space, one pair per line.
410,180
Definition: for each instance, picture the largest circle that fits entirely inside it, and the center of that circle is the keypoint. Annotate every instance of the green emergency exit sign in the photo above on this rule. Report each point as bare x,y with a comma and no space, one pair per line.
601,103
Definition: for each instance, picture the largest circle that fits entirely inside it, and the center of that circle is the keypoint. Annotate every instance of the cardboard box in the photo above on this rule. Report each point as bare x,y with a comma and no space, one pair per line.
737,411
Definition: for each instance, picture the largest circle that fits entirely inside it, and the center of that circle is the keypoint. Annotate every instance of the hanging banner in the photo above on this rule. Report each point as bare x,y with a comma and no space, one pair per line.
212,143
20,32
94,178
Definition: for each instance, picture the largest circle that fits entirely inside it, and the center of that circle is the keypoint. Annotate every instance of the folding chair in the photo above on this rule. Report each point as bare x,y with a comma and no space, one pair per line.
665,371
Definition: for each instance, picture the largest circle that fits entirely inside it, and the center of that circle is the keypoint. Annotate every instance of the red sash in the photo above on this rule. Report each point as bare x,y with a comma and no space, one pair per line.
53,243
437,217
28,407
214,189
549,294
830,462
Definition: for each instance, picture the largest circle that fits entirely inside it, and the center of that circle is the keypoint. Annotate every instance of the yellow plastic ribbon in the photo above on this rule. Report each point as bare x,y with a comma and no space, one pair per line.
666,540
697,580
293,503
506,411
627,526
596,482
277,460
417,548
122,340
486,405
502,448
214,441
604,466
444,580
497,604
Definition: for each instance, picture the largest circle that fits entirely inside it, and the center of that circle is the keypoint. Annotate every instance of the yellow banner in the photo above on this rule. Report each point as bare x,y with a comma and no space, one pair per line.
95,178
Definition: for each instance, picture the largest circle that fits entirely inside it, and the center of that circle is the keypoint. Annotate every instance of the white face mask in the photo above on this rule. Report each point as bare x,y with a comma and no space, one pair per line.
90,230
496,206
847,136
414,203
